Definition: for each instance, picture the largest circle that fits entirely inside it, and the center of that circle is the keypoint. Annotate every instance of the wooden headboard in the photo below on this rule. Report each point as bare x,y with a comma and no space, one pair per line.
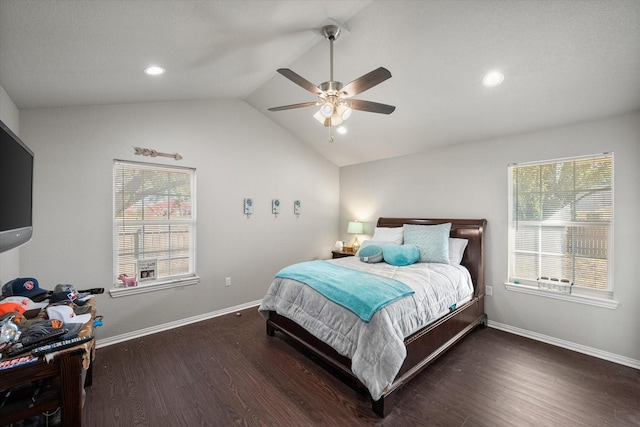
470,229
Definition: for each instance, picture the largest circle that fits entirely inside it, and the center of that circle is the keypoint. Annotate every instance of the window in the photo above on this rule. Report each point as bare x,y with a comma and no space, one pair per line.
561,224
154,219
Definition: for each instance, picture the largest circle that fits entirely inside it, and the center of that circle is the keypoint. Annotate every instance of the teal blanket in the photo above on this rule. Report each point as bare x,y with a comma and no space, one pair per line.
358,291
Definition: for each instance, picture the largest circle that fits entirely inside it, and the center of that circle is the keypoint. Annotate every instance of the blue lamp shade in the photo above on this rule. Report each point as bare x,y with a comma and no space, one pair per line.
355,227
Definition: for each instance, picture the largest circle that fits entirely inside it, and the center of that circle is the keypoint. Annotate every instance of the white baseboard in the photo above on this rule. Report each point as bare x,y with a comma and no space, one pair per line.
622,360
171,325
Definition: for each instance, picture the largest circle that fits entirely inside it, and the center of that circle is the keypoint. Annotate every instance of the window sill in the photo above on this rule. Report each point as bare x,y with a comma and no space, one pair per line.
155,286
580,299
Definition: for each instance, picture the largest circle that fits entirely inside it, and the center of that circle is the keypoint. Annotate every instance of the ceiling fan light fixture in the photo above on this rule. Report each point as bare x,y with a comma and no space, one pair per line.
326,109
336,119
325,121
343,111
333,120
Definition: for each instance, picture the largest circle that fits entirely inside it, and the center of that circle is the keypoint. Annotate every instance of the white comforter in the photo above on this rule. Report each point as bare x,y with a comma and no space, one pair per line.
376,349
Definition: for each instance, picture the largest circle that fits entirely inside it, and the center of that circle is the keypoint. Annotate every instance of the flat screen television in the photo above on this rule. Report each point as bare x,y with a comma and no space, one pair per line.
16,187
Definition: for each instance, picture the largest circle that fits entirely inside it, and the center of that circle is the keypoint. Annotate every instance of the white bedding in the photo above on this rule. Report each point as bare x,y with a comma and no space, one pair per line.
376,349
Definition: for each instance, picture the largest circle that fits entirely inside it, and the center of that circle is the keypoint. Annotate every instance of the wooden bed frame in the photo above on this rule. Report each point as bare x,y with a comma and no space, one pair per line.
428,343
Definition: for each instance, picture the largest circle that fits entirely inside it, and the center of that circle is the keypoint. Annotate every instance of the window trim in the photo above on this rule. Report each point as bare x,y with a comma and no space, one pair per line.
155,286
577,297
167,282
579,294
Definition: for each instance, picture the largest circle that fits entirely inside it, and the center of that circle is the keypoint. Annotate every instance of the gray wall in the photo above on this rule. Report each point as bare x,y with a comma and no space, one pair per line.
470,181
237,153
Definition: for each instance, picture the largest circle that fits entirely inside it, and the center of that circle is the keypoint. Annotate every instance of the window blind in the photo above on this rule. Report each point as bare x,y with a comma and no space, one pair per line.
154,218
561,221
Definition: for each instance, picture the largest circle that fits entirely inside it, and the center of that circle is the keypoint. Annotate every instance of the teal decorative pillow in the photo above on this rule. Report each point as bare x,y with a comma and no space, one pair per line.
366,243
370,254
432,240
400,255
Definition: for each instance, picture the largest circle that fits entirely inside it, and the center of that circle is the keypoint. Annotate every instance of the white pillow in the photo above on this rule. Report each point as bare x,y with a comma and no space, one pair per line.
388,234
456,250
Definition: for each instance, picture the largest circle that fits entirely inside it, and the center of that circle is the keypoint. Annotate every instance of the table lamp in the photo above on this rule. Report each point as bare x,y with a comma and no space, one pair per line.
356,228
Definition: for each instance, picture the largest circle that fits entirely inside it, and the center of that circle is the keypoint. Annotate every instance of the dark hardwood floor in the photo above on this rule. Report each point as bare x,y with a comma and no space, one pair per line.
227,372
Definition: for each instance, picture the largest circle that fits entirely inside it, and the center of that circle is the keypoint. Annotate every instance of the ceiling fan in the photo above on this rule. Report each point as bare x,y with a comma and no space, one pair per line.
334,99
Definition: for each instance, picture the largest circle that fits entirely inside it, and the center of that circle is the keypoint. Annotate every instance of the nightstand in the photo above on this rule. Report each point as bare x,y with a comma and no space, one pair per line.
341,254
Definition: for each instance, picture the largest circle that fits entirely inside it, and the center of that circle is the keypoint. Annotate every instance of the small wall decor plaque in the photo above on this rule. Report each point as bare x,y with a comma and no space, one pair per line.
153,153
297,206
275,207
248,206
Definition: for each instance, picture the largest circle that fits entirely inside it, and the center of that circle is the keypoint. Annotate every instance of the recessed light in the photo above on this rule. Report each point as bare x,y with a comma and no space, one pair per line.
154,70
492,79
342,130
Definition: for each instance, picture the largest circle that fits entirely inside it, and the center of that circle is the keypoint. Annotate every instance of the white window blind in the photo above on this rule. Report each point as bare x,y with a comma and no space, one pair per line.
154,218
561,221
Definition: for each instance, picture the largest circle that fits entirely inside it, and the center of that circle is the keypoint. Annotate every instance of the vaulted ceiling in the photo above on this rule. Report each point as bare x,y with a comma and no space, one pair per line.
563,61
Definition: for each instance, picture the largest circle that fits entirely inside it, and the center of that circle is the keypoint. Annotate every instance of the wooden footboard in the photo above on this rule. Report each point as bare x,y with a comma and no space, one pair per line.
423,347
427,344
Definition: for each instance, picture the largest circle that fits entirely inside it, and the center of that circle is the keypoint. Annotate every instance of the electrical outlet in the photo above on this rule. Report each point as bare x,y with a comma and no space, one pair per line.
488,290
227,281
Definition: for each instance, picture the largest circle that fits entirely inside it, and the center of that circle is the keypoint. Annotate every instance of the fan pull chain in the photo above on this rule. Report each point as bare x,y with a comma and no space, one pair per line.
330,140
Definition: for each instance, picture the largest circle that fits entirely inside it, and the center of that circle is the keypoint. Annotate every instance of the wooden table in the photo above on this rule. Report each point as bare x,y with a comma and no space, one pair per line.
341,253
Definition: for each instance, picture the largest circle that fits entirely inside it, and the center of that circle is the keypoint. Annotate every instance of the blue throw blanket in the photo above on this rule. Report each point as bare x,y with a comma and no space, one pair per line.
358,291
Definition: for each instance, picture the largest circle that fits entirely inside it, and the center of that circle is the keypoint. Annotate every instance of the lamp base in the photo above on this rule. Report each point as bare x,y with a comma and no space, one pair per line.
356,245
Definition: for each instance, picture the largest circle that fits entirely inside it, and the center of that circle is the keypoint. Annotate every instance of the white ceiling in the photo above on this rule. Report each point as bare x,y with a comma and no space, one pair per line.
564,62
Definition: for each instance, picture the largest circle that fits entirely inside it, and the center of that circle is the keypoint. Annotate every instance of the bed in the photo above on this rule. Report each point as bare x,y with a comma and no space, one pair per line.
409,353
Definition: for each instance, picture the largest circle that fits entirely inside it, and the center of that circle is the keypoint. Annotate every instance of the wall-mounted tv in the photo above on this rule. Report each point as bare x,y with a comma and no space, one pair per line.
16,186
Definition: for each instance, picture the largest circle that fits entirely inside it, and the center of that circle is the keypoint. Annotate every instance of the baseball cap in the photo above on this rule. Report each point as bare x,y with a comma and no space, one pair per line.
25,302
65,296
25,286
9,306
71,289
66,314
78,309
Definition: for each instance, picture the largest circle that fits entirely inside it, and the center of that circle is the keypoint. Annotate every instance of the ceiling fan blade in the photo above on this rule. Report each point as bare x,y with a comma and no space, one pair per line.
372,107
292,106
300,81
365,82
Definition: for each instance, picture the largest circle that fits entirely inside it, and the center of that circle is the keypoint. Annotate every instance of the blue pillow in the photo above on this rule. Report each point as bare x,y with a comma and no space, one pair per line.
400,255
370,254
432,240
